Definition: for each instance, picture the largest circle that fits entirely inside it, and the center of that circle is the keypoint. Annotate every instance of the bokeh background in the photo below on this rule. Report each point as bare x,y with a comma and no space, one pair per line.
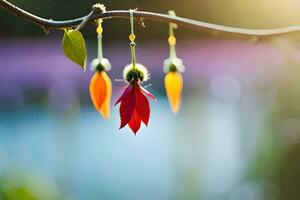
236,136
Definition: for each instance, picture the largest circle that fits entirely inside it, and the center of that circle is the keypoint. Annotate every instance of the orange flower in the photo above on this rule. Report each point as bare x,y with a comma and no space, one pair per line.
101,88
174,82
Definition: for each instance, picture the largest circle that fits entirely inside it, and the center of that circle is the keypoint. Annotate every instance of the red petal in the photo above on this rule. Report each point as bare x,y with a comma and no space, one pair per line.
146,92
126,108
142,105
125,94
135,122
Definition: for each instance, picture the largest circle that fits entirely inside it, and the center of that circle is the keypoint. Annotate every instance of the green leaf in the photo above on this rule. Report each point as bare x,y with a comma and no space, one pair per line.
74,47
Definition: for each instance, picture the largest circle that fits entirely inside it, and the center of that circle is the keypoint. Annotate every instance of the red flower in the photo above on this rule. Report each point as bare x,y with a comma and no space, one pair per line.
134,107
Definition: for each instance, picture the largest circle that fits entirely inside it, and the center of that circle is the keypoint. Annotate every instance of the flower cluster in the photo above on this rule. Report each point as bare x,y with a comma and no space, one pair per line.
134,105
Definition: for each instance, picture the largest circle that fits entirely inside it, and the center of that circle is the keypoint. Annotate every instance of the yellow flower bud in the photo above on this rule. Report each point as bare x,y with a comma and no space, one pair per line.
173,86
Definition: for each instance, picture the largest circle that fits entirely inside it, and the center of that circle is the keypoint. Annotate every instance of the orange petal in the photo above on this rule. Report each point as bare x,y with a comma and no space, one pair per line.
173,86
105,108
100,92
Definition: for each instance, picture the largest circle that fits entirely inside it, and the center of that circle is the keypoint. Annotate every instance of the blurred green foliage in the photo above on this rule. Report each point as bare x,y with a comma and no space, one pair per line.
16,185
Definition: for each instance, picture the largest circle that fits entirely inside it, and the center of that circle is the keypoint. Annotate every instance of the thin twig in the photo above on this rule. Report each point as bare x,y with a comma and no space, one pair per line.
47,24
84,21
97,8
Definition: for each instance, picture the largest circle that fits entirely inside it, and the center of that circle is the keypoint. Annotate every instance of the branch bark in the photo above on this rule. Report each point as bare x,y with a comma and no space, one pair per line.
48,24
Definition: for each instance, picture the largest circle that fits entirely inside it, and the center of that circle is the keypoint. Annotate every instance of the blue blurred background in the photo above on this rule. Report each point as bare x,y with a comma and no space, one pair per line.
237,135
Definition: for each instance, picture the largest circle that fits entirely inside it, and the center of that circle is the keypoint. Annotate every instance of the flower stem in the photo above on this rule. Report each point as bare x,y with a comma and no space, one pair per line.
100,31
131,22
132,38
172,39
100,51
172,46
133,55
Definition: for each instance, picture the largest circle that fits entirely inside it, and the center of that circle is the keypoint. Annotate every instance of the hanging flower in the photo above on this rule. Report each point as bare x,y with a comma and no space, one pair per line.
101,87
174,82
134,107
173,67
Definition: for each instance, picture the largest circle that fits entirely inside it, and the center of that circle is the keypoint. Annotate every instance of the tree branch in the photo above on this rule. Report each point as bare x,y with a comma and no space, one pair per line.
47,24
